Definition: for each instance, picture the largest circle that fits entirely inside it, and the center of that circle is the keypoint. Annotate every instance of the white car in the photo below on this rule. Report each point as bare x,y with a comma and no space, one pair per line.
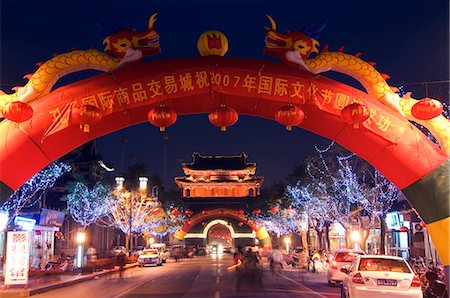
341,257
150,257
374,276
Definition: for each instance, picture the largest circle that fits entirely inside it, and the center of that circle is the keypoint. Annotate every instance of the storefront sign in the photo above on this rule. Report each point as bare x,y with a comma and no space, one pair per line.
17,258
27,224
51,218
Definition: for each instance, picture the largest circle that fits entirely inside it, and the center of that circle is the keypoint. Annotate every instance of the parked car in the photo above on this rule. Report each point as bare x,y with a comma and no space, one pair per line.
340,258
150,257
119,249
137,250
161,248
374,276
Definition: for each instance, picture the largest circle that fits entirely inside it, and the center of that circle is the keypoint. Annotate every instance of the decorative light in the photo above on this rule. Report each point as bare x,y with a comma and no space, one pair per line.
17,111
162,117
143,183
85,116
289,115
355,114
223,117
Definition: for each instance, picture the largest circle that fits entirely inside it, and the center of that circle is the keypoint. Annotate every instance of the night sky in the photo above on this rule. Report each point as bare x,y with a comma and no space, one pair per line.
409,40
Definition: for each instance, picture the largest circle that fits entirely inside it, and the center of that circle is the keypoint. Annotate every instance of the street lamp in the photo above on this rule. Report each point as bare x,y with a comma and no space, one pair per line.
287,241
130,200
81,237
355,236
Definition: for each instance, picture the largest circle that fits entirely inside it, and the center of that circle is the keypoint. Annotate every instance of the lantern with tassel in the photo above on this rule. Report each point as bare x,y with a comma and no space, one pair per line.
289,115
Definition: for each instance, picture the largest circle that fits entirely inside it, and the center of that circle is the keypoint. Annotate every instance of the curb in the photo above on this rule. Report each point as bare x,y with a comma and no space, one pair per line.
60,284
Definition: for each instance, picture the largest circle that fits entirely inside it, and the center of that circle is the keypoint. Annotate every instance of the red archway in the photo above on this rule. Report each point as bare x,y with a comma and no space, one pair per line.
253,87
261,232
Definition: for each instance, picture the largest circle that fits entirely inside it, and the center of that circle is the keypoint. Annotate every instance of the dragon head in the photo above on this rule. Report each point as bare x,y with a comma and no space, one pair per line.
147,42
292,46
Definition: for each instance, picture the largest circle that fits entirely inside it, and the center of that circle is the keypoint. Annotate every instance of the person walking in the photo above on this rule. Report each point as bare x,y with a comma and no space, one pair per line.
121,260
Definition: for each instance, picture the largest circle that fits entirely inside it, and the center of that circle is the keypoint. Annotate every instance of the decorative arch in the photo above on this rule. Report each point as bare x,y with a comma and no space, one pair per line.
382,134
261,232
206,229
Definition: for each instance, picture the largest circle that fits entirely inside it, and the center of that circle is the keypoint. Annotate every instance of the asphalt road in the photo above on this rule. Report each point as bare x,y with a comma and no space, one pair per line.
198,277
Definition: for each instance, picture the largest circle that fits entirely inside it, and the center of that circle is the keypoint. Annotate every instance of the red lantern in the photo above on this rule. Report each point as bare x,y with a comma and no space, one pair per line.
427,109
240,211
162,117
59,234
355,114
203,223
240,224
273,210
257,211
38,232
229,224
157,211
223,117
176,212
289,115
189,212
85,116
17,111
189,221
204,212
404,229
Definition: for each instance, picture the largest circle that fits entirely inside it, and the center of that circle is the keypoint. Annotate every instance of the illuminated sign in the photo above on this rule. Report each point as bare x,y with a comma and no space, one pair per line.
393,221
17,258
3,220
27,224
51,218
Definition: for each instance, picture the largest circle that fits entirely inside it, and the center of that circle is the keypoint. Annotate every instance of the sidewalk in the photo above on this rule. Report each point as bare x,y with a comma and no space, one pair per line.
65,280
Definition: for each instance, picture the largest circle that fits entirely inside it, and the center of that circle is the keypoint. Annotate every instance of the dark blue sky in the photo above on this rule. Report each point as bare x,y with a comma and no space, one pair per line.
408,39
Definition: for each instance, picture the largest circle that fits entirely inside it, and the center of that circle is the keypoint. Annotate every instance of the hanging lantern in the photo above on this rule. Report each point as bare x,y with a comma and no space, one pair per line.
59,234
38,232
204,212
229,224
189,212
162,117
223,117
240,211
427,109
212,42
85,116
404,229
289,115
240,224
157,211
189,221
257,211
176,212
273,210
17,111
355,114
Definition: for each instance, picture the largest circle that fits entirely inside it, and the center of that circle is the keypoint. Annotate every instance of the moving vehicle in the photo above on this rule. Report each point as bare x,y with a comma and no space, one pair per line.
150,257
374,276
341,257
161,247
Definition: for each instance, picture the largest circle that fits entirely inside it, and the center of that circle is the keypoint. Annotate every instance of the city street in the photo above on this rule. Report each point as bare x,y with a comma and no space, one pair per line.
198,277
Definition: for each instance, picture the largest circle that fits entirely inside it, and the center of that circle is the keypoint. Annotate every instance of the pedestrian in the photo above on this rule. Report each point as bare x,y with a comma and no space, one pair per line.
121,260
276,260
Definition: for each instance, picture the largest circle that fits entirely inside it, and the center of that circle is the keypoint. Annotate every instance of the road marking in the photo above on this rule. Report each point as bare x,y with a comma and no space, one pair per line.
303,286
302,292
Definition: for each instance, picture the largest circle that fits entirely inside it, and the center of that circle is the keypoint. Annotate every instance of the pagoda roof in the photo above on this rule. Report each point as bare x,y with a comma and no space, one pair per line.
203,163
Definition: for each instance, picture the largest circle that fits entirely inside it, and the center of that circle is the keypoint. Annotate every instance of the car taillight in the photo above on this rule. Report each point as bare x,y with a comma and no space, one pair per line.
357,279
334,265
415,282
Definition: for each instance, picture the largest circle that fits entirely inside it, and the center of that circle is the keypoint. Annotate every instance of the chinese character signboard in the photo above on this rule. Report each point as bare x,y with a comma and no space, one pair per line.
17,258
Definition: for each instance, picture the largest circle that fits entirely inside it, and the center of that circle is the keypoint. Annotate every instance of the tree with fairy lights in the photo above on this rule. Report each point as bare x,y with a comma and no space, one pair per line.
33,191
340,188
87,206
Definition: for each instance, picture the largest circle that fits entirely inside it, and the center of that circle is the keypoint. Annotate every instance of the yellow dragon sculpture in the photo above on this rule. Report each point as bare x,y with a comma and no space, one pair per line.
295,47
122,47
